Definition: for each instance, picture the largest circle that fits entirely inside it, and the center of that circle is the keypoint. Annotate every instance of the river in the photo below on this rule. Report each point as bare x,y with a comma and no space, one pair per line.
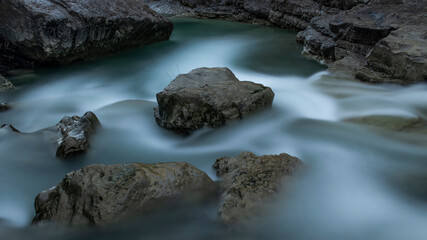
361,181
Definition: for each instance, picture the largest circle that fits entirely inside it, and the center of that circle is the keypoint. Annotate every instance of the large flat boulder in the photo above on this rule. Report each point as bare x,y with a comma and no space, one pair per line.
102,194
250,181
208,97
74,134
50,32
401,55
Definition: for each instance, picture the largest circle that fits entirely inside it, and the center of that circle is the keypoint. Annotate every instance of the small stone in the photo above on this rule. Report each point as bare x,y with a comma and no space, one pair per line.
5,85
4,107
75,133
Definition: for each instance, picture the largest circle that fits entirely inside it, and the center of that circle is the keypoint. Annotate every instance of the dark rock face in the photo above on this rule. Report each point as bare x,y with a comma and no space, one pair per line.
5,85
75,133
249,181
208,97
376,41
50,32
101,194
386,41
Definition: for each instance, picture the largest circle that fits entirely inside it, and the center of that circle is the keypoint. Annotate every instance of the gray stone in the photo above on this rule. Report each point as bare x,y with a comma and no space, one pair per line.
101,194
250,181
9,127
5,85
4,107
51,32
208,97
390,34
75,133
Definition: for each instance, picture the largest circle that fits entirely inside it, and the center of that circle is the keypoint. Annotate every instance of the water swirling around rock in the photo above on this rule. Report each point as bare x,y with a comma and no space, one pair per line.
361,174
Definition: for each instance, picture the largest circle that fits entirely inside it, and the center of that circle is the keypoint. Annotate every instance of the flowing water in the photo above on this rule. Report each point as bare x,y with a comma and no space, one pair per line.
361,181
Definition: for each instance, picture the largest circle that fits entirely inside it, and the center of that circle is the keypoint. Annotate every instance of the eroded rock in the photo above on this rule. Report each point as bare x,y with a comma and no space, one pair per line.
51,32
401,124
376,41
386,41
208,97
101,194
4,107
5,85
75,133
9,127
250,181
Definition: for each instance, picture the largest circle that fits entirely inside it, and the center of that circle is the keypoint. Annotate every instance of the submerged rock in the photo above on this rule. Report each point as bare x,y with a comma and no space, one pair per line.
208,97
100,194
9,127
5,85
249,181
75,133
50,32
5,107
401,124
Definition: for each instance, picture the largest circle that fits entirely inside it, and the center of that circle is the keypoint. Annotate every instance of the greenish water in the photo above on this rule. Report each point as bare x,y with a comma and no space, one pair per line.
363,181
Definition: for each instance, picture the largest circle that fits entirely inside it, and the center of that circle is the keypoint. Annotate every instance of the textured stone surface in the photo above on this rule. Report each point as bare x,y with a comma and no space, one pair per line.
377,41
50,32
387,41
208,97
9,127
101,194
4,107
250,181
5,85
400,124
402,55
75,133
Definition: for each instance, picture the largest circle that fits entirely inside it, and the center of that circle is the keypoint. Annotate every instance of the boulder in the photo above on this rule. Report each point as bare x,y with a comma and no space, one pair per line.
208,97
51,32
250,181
101,194
386,41
401,55
75,133
5,85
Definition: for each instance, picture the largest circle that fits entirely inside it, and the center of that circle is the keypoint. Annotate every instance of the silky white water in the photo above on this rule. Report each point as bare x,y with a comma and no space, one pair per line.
361,182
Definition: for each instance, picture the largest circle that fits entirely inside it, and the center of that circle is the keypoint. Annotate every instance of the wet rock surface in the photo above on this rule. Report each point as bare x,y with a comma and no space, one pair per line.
5,107
51,32
9,127
101,194
376,41
75,133
5,85
208,97
400,124
386,40
250,181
